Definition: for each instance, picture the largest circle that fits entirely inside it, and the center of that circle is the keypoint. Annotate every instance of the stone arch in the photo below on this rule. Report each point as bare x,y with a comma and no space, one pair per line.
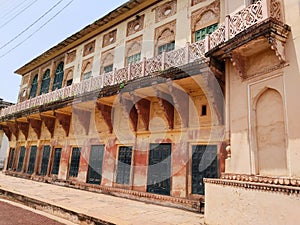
107,59
68,80
86,70
206,18
134,48
87,67
270,133
167,35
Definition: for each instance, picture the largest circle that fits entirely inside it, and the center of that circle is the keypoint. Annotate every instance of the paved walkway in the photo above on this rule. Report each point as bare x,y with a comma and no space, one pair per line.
104,207
12,213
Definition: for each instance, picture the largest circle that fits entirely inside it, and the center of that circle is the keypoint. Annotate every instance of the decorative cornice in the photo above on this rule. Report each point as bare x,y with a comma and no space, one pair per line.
274,188
262,179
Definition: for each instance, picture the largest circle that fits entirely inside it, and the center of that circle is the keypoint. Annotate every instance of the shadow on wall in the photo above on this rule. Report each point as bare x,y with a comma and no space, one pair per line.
3,149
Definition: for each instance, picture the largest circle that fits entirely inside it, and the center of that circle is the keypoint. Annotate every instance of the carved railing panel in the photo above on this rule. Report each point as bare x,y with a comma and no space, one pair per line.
108,78
175,58
97,82
197,50
121,75
217,37
245,18
153,65
275,10
136,70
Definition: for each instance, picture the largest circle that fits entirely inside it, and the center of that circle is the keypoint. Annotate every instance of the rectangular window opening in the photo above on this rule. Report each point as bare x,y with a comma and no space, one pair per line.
124,165
204,165
108,69
11,158
45,160
56,161
203,110
133,59
32,157
166,47
200,34
75,160
95,164
87,75
21,159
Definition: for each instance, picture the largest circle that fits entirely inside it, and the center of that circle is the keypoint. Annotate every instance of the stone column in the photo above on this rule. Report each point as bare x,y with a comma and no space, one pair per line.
179,164
64,162
84,163
140,163
109,159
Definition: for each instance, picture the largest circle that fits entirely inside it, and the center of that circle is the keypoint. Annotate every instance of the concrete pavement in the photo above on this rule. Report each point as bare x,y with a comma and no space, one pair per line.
81,206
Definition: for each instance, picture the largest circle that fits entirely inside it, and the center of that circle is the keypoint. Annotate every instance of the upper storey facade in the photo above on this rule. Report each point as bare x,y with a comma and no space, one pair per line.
138,39
147,29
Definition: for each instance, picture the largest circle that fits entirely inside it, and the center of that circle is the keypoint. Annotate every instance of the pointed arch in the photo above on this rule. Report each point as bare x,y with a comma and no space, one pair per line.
165,37
107,61
270,133
205,19
34,86
133,54
59,76
86,69
45,82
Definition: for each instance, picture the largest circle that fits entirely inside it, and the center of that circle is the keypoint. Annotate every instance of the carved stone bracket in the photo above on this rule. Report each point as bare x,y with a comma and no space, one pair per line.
36,126
24,127
278,47
165,101
64,121
142,106
238,62
49,122
181,103
13,127
130,109
7,131
106,113
84,118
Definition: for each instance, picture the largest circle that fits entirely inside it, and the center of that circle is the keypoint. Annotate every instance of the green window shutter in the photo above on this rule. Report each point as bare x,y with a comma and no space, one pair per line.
45,82
166,47
34,86
59,76
200,34
108,69
134,59
87,75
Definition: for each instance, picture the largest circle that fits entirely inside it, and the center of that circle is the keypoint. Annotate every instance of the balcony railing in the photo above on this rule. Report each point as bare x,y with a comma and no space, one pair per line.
233,25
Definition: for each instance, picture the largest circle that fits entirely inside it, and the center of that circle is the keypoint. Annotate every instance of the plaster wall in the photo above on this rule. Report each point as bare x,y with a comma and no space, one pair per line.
291,82
237,205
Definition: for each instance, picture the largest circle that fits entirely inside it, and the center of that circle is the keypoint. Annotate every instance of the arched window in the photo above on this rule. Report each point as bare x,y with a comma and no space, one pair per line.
45,82
34,86
59,76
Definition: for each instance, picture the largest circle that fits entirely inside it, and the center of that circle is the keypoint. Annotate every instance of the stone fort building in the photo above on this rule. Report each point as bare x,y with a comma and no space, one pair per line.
177,102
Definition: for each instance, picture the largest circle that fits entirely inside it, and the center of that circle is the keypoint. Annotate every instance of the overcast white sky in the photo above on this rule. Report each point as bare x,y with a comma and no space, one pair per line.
14,20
